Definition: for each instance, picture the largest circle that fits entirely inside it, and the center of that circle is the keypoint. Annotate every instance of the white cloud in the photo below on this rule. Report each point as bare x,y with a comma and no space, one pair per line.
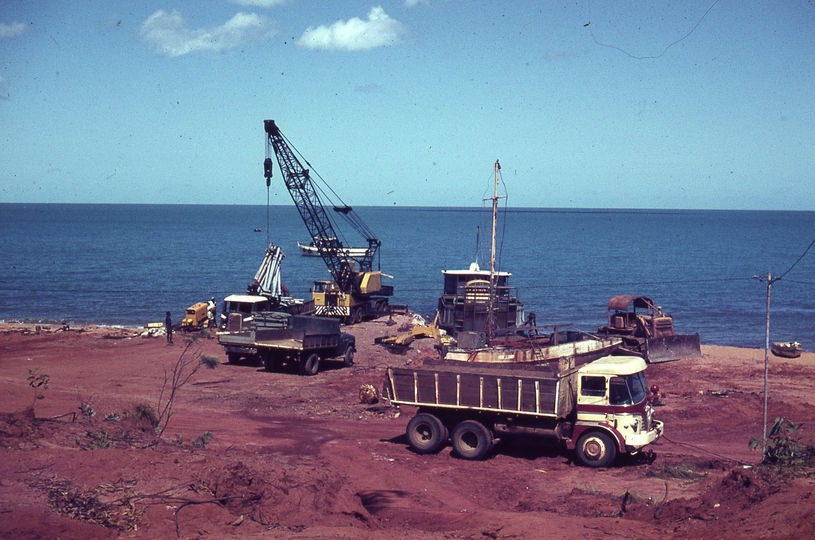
414,3
258,3
12,30
355,34
168,34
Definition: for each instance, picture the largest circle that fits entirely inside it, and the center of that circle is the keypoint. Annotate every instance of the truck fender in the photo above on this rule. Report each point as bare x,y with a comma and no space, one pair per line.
580,429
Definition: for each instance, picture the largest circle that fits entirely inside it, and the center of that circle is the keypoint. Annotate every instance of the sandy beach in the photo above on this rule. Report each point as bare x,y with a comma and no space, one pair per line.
249,453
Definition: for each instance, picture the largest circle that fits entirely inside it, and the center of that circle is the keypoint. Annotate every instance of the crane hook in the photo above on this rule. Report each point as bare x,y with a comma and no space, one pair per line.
267,171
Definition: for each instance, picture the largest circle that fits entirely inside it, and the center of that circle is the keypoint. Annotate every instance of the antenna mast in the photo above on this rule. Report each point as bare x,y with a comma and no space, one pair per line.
491,314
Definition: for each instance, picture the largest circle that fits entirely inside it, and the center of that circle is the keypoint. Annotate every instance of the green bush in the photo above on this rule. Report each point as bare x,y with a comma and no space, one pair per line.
783,448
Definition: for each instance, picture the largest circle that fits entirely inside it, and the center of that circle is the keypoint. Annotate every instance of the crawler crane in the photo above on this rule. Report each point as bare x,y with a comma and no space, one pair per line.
356,290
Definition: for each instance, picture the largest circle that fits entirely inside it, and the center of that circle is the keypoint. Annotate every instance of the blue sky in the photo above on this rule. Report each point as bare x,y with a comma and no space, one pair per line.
587,104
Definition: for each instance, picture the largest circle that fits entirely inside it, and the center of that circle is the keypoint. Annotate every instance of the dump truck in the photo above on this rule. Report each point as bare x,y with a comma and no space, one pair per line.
599,409
300,341
646,331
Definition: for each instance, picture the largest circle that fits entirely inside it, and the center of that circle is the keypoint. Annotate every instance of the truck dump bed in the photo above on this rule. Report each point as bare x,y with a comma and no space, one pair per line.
513,389
276,330
300,332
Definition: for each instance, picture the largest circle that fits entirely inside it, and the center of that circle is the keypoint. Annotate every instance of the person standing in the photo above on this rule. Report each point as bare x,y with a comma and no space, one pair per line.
211,307
168,326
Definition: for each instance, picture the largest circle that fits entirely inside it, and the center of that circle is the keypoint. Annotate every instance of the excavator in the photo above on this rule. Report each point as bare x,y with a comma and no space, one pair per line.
355,291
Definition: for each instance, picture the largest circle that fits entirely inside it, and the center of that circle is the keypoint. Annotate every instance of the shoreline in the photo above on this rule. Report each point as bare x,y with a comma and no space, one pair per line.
121,331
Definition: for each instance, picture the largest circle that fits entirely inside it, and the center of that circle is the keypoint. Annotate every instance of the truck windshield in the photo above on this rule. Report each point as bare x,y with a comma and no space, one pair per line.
238,307
630,390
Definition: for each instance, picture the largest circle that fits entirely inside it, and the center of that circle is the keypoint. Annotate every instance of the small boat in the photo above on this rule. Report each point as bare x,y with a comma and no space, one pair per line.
311,250
789,349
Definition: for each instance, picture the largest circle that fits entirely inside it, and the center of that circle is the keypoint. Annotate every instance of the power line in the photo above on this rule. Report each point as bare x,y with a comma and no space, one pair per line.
608,284
799,260
692,30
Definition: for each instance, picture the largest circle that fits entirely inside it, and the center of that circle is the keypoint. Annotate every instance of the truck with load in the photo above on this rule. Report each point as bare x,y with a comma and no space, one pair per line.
301,341
599,409
263,293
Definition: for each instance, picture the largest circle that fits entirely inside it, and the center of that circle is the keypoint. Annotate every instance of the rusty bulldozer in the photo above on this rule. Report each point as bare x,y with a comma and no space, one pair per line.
646,331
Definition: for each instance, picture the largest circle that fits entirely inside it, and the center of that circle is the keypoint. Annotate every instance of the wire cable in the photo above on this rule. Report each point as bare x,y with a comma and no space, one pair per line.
688,445
799,260
692,30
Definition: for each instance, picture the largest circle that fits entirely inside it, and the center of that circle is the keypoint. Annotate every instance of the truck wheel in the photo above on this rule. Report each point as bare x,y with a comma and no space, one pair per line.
348,357
472,440
426,434
356,316
268,361
233,358
310,365
596,449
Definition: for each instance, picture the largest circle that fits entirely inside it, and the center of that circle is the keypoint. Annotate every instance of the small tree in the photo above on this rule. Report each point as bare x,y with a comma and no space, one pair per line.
38,382
783,447
187,365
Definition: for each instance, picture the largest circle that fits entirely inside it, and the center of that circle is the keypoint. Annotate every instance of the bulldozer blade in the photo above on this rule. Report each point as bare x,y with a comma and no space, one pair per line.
669,348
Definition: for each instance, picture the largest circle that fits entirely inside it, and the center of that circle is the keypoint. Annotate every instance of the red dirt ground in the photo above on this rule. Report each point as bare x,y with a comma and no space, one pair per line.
301,457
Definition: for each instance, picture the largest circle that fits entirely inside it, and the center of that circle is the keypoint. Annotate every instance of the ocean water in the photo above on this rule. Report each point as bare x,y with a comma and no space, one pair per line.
128,264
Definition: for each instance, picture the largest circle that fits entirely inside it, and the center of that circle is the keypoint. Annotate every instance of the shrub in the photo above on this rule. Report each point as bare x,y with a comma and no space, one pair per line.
783,448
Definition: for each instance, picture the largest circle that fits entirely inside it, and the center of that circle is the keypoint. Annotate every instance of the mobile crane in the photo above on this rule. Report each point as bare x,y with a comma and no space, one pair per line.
356,290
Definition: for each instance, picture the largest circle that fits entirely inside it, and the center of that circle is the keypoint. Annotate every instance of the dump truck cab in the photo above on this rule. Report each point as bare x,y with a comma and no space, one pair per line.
615,412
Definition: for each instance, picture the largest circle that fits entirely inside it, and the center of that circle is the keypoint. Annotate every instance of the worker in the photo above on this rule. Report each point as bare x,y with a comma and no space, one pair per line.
168,326
532,324
211,307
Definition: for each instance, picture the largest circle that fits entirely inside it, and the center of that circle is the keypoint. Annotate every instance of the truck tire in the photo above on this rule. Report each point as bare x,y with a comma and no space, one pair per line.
596,449
233,358
310,365
356,316
268,361
426,434
472,440
348,357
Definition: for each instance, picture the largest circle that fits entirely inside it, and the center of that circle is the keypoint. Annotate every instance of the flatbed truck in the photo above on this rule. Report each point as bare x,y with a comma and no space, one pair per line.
599,409
301,341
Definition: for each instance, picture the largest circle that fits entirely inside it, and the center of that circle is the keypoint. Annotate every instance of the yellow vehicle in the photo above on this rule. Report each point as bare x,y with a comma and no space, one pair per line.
195,317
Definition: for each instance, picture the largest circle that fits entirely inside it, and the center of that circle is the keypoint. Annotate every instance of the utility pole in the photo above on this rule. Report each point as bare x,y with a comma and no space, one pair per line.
770,281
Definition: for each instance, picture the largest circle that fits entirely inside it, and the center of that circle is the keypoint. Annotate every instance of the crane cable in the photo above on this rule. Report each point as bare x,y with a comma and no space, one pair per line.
351,217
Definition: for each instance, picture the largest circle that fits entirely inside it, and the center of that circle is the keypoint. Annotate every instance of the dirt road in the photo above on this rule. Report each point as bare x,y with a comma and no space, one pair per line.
275,455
